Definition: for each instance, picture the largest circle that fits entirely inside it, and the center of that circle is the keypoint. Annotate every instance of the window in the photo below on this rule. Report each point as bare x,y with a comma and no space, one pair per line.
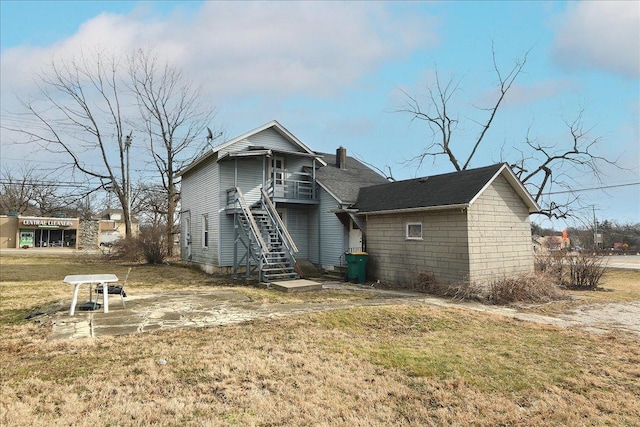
414,231
279,170
205,231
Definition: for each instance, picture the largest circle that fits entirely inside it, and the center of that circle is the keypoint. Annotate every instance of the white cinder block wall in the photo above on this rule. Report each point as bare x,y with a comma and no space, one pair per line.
499,234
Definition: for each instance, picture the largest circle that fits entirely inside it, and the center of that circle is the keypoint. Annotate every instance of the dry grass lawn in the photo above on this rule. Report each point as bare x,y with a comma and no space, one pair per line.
369,366
616,286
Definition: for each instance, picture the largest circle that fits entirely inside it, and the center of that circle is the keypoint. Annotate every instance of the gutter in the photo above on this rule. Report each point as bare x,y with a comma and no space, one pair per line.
419,209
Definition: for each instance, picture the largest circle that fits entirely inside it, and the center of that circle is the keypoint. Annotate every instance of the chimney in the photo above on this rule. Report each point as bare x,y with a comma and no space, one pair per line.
341,158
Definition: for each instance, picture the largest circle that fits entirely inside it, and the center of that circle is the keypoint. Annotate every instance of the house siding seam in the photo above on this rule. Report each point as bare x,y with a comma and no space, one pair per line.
499,234
442,252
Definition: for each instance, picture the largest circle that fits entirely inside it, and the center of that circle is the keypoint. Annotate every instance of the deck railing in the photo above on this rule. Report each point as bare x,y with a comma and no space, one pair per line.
294,186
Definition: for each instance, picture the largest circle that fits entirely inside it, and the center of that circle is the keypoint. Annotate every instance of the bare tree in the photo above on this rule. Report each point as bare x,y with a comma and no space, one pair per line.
540,167
80,113
20,190
175,120
28,190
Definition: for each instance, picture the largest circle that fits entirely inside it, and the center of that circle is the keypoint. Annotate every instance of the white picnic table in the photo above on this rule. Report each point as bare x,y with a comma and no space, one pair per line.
90,279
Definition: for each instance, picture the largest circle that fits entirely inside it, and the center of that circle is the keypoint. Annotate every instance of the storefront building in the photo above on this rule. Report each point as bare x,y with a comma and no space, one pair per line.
38,232
72,233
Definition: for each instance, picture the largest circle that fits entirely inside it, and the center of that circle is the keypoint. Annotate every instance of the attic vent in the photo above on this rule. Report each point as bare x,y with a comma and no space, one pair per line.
423,179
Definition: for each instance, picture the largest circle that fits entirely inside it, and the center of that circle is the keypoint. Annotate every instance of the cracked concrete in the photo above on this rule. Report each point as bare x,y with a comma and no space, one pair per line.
151,312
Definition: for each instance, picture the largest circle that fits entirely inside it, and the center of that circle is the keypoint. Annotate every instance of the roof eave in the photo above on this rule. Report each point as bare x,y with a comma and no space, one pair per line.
418,209
274,123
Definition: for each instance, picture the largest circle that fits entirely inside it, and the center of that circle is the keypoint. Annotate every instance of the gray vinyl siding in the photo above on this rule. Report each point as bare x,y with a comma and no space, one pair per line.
314,231
226,241
247,177
199,191
298,226
272,139
268,138
333,233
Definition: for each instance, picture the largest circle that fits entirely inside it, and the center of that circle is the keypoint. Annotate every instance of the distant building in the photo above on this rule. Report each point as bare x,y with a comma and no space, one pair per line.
18,231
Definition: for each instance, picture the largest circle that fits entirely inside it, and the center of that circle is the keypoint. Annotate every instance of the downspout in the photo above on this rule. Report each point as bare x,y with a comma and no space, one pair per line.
319,235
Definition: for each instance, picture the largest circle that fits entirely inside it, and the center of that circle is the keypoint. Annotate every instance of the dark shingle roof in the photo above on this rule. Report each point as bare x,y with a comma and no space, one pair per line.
345,183
456,188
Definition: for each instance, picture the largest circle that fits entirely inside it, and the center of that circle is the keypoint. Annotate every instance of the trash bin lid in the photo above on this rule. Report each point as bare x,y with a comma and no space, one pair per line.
359,253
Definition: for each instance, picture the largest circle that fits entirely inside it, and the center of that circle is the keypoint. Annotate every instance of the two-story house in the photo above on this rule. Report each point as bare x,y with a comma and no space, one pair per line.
259,201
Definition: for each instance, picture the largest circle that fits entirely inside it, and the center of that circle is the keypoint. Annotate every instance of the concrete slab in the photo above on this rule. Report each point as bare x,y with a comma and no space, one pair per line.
300,285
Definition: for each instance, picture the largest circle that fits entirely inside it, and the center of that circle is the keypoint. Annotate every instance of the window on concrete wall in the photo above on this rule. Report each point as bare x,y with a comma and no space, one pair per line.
414,231
205,230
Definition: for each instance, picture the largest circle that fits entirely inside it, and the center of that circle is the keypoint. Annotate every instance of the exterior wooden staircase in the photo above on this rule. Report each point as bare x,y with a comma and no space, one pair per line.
268,247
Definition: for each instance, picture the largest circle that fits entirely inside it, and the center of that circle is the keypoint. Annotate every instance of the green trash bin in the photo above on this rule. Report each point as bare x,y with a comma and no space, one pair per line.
356,266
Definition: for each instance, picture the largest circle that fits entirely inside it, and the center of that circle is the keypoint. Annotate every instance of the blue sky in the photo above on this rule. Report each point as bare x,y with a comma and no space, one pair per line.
333,73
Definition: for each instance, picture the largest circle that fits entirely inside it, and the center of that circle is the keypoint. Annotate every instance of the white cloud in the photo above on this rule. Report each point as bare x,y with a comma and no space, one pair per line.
601,35
242,48
525,94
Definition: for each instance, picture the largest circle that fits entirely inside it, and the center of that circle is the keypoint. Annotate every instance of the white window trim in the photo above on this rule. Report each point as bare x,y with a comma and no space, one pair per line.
406,231
205,231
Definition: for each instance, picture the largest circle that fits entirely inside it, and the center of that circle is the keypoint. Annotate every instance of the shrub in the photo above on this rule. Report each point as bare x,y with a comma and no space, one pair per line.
552,265
150,246
153,244
534,288
126,250
585,271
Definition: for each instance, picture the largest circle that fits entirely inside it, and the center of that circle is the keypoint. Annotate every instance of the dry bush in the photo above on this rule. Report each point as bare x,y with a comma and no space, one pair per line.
585,271
153,244
466,291
126,250
535,288
424,282
150,246
551,264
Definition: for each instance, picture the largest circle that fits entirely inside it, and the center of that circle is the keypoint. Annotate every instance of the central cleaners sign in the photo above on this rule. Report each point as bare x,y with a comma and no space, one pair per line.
47,223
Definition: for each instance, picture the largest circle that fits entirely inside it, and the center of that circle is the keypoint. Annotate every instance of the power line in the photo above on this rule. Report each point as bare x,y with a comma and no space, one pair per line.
602,187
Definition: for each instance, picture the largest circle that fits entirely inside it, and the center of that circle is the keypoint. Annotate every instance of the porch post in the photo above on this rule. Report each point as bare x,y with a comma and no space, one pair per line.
235,244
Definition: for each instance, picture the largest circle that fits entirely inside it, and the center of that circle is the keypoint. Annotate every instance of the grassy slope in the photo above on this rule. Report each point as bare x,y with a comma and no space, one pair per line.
392,365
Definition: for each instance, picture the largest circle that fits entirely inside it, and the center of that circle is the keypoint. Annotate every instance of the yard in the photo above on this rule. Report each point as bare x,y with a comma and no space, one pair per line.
392,364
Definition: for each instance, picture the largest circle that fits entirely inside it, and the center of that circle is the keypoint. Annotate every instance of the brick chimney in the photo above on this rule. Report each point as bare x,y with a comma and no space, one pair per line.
341,158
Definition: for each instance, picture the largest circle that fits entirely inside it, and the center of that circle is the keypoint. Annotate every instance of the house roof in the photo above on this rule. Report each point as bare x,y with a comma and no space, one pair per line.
447,191
344,184
272,124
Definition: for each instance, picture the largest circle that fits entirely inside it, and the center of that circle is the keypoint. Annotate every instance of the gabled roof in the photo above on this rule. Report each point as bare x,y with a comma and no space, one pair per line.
454,190
344,184
272,124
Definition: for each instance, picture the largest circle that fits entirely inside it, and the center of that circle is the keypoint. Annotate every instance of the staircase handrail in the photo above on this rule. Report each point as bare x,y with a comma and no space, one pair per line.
252,222
271,209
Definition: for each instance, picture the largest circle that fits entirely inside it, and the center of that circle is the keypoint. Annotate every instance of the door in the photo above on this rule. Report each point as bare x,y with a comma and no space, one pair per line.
355,237
186,230
279,176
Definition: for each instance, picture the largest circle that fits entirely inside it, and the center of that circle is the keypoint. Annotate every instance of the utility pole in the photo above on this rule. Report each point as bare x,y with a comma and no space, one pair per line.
595,229
127,146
